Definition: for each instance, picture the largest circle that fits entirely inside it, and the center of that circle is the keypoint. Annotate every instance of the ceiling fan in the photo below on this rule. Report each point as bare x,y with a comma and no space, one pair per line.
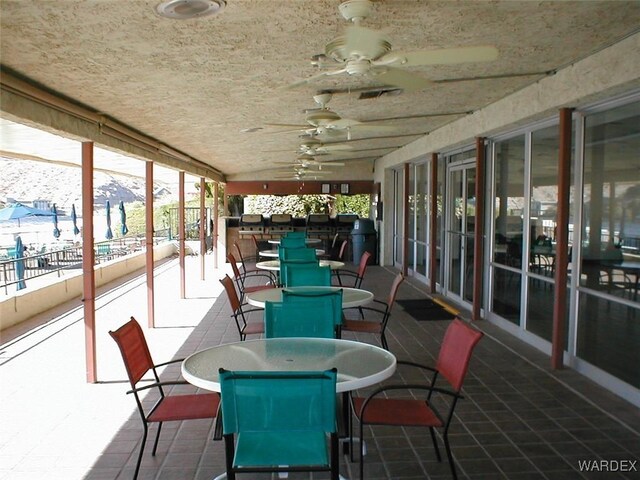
307,161
304,173
365,52
324,121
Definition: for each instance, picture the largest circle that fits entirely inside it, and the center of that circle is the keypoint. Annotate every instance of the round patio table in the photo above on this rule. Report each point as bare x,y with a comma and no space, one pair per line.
351,297
308,241
359,364
274,252
274,265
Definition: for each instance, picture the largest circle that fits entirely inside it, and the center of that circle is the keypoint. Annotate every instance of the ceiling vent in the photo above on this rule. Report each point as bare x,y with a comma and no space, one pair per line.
185,9
378,93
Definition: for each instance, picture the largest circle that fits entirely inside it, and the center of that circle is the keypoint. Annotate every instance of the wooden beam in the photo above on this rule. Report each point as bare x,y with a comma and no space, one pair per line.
299,187
203,228
181,234
562,241
88,259
149,232
214,233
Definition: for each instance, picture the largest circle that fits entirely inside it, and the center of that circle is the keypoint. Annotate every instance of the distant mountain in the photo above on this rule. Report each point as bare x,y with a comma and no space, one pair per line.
26,181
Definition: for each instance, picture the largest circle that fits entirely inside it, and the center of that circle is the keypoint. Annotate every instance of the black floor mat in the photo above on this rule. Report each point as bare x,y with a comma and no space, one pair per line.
425,309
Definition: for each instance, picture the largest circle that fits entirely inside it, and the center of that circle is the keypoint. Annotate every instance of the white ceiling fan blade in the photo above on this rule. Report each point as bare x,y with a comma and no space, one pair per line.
288,125
362,42
442,56
343,123
315,77
409,82
334,148
329,163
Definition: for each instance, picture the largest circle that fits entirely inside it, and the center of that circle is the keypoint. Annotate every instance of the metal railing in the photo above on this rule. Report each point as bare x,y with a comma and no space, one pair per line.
56,262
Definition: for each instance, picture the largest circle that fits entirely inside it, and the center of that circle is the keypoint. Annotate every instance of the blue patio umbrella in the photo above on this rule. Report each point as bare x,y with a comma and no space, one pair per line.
16,211
74,218
20,264
123,219
56,230
109,234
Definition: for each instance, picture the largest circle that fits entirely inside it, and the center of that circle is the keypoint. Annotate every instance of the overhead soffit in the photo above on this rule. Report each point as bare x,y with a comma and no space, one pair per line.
196,84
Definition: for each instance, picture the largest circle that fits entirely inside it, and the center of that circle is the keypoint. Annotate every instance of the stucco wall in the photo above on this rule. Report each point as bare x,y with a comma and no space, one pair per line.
29,302
608,73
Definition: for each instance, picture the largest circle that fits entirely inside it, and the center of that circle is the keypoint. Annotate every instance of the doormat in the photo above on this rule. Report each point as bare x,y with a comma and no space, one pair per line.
425,309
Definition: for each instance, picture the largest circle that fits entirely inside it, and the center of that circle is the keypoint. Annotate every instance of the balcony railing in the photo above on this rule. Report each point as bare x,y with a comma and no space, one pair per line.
55,262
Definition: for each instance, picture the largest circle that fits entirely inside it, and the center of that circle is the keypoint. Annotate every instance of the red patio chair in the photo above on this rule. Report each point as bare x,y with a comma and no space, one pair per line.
356,276
378,326
238,313
452,364
137,361
243,265
240,279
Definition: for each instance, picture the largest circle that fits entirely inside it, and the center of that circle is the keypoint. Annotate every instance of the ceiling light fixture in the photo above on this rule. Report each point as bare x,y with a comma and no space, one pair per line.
185,9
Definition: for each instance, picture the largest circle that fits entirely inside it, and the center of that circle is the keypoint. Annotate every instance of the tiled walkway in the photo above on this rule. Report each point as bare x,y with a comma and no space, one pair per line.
519,419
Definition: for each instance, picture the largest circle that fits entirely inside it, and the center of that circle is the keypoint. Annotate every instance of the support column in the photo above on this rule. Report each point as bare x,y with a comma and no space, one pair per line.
562,240
478,230
405,221
214,234
433,224
149,232
181,233
203,228
88,259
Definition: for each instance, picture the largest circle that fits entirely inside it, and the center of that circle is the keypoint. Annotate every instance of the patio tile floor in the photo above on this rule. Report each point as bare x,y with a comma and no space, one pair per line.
519,420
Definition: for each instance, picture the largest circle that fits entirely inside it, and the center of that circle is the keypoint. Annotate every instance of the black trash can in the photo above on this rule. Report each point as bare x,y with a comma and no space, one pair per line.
363,238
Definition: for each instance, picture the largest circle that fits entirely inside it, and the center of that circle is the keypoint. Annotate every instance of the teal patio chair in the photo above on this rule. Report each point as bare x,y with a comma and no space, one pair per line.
285,253
293,242
305,275
304,314
284,263
297,234
279,422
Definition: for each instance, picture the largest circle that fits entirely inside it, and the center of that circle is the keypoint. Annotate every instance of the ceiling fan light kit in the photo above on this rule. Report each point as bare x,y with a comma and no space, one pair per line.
186,9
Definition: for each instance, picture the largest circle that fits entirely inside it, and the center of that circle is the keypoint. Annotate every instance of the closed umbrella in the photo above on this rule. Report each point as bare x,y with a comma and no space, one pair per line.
74,218
109,234
123,219
20,264
56,230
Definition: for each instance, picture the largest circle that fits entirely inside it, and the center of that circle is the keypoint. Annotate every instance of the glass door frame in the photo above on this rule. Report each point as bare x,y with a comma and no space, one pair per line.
416,244
451,168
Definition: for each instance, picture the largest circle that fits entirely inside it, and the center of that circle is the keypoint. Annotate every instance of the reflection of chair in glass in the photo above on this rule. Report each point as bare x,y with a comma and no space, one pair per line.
293,242
452,364
308,313
240,279
378,326
138,362
279,422
285,253
305,275
238,312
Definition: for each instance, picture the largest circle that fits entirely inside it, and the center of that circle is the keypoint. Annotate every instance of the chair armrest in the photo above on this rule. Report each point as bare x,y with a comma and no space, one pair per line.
176,360
414,364
249,310
387,388
158,384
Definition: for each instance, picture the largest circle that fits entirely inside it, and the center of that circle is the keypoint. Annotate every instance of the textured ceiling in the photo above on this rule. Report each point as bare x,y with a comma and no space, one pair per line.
197,84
